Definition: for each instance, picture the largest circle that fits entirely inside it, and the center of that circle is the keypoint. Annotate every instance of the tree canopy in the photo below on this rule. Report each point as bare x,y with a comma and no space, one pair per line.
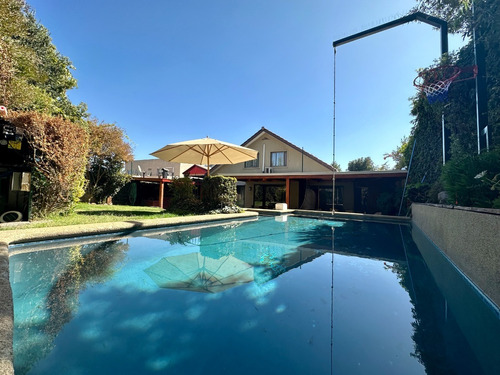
108,151
33,74
34,81
361,164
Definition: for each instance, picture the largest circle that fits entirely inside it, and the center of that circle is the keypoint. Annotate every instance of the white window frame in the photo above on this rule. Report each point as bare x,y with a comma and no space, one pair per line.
273,160
254,163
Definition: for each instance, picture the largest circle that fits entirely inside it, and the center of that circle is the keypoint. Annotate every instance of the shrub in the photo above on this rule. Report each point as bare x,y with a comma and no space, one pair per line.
219,192
418,193
388,203
59,159
469,180
126,195
183,198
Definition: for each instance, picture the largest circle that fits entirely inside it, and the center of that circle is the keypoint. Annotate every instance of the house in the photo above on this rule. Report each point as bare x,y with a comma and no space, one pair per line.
286,173
195,171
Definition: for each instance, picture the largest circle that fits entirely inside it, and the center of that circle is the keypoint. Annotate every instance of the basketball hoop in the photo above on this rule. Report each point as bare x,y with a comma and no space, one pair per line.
435,82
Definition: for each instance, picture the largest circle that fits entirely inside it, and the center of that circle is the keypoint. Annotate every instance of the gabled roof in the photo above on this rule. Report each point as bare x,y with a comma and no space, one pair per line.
263,130
195,170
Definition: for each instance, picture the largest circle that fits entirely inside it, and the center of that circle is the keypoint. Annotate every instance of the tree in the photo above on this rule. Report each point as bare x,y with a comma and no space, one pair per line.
34,76
108,152
398,155
336,166
361,164
456,12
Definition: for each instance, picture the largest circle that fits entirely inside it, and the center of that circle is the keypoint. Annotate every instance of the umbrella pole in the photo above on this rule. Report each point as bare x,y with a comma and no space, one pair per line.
208,165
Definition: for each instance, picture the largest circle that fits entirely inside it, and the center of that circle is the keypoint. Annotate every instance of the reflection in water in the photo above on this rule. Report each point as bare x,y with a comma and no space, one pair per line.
55,297
197,273
265,281
454,327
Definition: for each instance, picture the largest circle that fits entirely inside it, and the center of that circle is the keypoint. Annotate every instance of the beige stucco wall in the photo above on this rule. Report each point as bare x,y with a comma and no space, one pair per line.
294,159
471,239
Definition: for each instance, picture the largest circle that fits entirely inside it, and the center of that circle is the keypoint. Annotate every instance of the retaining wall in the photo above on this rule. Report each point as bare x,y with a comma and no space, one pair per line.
469,237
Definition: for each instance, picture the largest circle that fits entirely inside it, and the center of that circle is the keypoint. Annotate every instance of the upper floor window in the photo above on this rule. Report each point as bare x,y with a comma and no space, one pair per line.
252,163
278,159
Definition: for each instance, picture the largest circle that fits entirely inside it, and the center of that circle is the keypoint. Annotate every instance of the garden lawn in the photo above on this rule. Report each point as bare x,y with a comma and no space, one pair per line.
86,213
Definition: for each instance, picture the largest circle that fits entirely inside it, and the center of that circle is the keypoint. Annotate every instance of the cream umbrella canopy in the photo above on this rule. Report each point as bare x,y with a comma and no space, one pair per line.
205,151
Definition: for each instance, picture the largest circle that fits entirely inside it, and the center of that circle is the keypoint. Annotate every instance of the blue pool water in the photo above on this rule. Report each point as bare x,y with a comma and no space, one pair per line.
284,295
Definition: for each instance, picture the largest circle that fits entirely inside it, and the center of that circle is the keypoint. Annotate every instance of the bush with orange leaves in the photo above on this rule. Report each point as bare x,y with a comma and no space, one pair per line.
59,150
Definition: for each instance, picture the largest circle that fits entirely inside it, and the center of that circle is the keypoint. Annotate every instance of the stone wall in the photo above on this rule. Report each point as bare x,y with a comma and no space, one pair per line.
469,237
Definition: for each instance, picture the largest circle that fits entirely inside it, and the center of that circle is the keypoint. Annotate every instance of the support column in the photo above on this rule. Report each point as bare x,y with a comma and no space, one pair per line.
162,189
287,193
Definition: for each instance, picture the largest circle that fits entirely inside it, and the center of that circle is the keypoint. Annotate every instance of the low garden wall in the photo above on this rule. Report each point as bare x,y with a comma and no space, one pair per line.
469,237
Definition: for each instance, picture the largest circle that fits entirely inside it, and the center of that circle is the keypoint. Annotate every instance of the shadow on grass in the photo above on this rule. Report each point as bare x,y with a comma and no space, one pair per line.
122,213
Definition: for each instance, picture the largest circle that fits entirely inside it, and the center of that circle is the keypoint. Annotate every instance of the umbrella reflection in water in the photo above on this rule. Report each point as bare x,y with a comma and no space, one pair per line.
198,273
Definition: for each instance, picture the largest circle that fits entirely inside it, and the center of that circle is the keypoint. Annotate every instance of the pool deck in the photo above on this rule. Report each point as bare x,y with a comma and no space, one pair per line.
26,235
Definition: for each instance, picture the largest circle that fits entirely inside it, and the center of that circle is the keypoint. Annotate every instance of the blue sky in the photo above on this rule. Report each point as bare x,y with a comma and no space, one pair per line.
172,70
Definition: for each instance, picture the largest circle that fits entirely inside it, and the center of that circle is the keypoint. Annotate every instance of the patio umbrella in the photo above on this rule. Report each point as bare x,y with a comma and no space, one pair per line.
205,151
197,273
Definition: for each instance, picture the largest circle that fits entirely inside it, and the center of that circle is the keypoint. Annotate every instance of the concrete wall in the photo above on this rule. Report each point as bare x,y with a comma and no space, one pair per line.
469,237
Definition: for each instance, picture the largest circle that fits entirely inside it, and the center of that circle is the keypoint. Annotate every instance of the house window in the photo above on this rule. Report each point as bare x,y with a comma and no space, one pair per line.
252,163
278,159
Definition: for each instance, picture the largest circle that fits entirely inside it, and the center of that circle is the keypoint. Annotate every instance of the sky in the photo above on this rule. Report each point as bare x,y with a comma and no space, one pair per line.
166,71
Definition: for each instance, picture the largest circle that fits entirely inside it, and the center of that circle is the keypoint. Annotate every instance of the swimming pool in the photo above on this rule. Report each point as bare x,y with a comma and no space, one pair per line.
275,295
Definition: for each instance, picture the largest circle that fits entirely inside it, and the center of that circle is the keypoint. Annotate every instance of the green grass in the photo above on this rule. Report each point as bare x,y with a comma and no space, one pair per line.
96,213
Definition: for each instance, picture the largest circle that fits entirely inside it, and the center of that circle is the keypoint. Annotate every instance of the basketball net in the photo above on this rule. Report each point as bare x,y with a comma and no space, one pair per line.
436,82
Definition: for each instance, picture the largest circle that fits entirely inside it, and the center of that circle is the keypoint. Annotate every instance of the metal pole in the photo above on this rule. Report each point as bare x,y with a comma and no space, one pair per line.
443,136
332,303
302,159
407,174
334,96
478,127
483,129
